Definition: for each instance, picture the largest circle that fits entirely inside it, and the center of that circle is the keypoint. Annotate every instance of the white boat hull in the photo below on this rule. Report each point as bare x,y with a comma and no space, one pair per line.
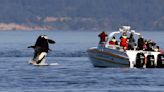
104,58
107,57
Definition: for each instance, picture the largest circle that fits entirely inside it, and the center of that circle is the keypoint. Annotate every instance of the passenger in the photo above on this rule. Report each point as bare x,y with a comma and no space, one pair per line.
149,46
153,45
140,43
103,37
131,42
124,40
157,49
113,41
145,45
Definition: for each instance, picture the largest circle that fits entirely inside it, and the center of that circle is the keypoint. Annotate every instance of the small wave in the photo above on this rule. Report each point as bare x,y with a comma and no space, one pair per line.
26,53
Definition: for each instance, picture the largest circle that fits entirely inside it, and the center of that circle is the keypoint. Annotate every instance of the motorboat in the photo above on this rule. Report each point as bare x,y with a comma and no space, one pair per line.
107,55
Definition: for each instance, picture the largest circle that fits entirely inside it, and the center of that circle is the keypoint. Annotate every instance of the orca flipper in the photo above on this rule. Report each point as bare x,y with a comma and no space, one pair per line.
31,46
51,41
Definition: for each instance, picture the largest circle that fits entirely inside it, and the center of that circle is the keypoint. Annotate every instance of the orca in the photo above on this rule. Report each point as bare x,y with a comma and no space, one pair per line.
41,49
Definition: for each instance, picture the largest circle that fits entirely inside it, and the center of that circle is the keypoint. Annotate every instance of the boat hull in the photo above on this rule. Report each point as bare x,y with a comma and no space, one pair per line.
107,58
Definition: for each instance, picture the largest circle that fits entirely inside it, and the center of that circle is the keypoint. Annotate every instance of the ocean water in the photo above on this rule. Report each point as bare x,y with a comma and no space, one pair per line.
75,72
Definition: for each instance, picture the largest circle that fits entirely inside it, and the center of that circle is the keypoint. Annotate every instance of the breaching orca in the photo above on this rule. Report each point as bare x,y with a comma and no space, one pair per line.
41,49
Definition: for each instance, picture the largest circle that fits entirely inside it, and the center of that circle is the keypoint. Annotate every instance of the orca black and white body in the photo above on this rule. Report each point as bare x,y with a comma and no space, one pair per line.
41,49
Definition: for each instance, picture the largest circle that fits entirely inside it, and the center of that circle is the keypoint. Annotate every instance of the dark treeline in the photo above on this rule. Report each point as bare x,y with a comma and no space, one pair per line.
85,14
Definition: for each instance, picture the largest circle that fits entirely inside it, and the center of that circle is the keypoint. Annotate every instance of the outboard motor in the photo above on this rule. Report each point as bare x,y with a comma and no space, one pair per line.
140,60
41,49
150,61
160,60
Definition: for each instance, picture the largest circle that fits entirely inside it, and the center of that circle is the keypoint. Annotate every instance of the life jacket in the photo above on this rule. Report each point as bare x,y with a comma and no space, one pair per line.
123,42
112,42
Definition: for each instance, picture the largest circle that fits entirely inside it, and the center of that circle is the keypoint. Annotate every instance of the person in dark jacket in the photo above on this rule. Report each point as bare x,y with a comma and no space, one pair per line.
150,45
41,48
141,43
103,37
131,42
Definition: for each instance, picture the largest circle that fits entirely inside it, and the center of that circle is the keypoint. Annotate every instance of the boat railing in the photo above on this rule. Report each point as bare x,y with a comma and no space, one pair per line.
116,47
119,48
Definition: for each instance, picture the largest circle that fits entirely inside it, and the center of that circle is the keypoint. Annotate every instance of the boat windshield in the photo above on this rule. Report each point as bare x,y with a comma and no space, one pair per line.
116,35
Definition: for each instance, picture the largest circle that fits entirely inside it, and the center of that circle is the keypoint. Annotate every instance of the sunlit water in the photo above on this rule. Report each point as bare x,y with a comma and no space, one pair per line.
74,73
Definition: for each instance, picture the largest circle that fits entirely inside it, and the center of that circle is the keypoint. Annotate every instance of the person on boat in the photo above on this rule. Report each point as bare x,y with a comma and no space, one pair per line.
149,45
141,42
123,42
145,45
154,45
131,42
41,49
156,49
103,37
113,41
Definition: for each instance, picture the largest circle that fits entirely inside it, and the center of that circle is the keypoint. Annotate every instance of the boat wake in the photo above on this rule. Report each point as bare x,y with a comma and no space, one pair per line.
46,64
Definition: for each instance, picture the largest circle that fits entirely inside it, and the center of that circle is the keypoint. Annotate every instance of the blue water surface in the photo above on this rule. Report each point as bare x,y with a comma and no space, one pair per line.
75,72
